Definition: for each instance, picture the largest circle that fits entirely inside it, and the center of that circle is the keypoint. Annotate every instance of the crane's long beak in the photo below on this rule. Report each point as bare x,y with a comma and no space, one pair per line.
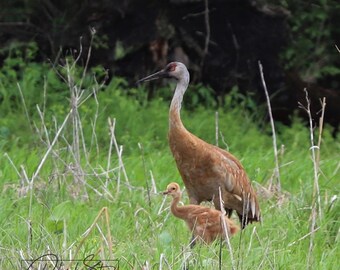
155,76
165,192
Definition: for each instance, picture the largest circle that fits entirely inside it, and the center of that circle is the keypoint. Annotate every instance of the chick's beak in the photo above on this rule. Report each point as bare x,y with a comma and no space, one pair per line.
165,192
155,76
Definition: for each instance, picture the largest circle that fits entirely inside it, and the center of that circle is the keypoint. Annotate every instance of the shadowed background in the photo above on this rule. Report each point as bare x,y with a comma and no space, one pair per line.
221,42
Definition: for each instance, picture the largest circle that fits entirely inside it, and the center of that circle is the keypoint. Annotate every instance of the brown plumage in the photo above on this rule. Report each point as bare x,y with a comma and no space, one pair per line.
204,167
204,223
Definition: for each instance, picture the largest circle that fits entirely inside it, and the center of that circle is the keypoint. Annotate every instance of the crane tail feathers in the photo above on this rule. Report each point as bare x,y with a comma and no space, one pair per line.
253,206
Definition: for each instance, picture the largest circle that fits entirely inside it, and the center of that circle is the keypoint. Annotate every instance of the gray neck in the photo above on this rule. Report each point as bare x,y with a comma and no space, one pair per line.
181,87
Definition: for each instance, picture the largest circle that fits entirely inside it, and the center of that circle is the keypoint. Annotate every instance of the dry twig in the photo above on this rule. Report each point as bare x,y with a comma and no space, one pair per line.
277,170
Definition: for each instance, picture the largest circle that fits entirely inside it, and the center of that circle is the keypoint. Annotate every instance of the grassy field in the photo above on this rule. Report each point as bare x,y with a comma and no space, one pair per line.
81,174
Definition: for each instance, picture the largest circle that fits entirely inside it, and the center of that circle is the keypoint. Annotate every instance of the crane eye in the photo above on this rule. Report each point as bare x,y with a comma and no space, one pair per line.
171,67
173,188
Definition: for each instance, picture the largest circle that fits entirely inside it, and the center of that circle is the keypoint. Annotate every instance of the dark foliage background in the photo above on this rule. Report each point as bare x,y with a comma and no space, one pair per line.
220,41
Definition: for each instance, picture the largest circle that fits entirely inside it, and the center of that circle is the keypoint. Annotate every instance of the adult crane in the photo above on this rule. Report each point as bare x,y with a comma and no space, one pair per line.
205,168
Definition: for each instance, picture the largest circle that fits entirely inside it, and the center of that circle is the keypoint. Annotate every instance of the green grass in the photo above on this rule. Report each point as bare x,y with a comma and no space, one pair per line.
54,215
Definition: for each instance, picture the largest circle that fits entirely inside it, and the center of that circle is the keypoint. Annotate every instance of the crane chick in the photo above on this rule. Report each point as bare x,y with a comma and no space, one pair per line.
205,223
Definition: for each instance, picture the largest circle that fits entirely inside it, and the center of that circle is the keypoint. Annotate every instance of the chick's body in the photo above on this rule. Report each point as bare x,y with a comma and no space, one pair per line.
206,224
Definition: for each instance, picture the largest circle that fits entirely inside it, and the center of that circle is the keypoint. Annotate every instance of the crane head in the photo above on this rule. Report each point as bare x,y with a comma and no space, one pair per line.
175,70
172,189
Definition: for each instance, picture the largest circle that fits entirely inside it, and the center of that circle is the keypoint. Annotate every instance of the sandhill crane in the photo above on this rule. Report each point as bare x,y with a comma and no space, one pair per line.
205,223
205,168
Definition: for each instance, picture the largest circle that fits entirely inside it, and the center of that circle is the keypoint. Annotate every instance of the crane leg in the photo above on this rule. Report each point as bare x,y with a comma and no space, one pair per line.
243,220
192,242
228,212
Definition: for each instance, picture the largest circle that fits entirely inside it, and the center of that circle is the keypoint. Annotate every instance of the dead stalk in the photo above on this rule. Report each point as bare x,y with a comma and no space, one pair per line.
45,131
277,167
315,150
207,37
64,245
77,97
153,182
265,253
216,128
251,241
94,123
87,58
111,124
303,237
145,174
323,108
37,171
13,165
108,239
77,174
25,107
337,48
226,230
119,150
163,259
245,210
